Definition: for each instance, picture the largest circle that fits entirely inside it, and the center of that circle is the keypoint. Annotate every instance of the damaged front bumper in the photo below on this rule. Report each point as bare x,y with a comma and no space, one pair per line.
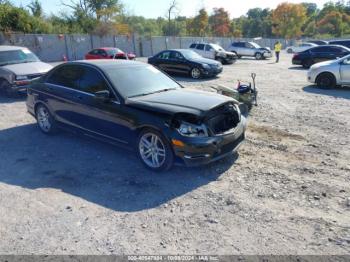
204,150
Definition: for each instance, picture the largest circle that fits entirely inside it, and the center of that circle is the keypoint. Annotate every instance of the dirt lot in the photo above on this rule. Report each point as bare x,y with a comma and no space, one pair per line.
287,192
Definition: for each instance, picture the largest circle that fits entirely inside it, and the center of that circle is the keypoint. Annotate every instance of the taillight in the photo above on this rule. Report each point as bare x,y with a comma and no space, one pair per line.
295,56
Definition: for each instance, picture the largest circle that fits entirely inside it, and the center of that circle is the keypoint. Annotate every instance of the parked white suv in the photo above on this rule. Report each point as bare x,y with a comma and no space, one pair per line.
214,51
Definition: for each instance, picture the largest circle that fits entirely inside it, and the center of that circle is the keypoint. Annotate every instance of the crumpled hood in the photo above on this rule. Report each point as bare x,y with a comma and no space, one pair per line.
28,68
227,53
179,101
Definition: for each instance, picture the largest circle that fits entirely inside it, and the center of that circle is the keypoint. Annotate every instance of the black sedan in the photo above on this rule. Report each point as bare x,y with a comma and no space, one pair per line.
135,105
184,61
319,54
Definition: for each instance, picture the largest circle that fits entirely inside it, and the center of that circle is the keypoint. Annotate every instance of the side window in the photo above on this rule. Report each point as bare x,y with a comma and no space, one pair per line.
67,76
208,48
200,47
102,52
336,50
193,46
346,61
176,55
94,52
164,55
320,49
92,81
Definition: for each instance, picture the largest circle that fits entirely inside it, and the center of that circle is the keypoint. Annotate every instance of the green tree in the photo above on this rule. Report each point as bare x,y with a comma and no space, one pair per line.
36,8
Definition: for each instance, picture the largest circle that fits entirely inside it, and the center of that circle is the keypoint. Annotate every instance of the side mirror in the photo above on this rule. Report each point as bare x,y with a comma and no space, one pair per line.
103,95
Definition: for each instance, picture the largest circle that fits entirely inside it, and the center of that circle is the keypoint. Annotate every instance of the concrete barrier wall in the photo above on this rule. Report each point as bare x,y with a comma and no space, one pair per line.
54,47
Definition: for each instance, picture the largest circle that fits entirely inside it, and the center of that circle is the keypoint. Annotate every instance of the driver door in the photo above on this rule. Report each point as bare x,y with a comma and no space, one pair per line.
345,71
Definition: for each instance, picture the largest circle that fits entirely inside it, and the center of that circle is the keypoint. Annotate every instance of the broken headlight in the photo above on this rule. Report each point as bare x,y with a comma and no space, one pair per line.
192,130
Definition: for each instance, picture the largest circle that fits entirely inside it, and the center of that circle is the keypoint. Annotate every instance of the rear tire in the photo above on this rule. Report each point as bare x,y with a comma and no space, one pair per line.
45,120
326,81
154,150
307,63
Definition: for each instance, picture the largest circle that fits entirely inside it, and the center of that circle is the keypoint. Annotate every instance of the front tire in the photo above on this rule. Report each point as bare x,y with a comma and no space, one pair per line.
45,120
196,73
258,56
326,81
155,151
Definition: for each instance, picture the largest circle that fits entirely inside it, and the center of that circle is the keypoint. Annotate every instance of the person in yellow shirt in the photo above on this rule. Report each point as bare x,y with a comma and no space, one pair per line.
278,48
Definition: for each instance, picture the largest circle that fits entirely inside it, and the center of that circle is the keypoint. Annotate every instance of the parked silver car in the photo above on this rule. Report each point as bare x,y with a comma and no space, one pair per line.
250,49
331,73
18,66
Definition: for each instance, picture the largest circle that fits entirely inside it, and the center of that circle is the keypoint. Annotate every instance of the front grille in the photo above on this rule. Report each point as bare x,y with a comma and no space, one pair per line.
223,119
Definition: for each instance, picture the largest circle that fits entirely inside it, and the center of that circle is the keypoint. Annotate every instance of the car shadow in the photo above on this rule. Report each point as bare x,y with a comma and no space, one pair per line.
191,80
8,100
97,172
340,92
300,68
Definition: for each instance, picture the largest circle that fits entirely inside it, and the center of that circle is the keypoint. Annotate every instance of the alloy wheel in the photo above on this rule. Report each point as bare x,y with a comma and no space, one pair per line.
43,118
152,150
195,73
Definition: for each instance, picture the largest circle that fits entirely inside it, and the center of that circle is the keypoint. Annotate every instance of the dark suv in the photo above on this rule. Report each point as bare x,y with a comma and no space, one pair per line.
344,42
135,105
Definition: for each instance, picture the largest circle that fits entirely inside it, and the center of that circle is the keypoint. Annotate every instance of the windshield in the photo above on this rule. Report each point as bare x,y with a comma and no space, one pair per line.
139,80
189,54
17,57
255,45
217,47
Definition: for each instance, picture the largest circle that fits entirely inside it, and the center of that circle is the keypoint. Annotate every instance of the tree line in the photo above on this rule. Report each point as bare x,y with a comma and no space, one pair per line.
104,17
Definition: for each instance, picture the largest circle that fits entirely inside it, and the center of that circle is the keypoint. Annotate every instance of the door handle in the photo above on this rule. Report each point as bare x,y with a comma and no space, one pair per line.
80,97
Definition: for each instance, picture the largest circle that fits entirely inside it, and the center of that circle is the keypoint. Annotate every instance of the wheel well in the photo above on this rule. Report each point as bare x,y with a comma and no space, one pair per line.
326,73
140,129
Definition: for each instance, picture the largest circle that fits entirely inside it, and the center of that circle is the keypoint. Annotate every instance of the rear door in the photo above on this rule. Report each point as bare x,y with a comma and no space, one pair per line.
322,53
163,61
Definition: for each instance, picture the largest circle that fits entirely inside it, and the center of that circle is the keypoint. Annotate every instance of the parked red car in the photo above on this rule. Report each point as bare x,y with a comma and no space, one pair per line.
109,53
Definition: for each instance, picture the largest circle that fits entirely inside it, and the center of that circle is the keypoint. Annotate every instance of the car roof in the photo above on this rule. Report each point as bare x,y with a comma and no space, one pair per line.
341,46
339,40
11,47
106,63
107,48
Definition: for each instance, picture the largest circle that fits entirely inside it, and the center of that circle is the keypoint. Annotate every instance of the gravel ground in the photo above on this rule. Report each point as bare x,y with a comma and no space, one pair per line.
286,192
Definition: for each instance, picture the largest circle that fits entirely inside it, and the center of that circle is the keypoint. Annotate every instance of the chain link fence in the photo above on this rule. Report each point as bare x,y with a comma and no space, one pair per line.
58,47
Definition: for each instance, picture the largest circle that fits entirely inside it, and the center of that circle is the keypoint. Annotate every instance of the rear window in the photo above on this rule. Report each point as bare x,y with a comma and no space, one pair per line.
193,46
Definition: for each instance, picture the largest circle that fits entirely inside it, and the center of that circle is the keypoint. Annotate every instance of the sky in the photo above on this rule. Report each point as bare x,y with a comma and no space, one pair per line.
156,8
